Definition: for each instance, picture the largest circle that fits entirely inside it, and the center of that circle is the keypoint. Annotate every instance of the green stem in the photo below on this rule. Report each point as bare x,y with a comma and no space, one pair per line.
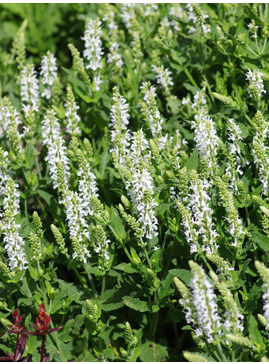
206,263
103,285
221,353
55,334
247,215
251,51
127,253
26,210
190,77
79,277
41,205
154,318
147,257
264,45
257,46
38,168
86,267
248,118
169,260
26,287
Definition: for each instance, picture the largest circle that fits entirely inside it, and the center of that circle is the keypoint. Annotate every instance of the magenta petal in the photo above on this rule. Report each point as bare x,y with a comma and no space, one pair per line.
34,326
27,358
10,356
31,332
56,328
5,358
46,357
21,347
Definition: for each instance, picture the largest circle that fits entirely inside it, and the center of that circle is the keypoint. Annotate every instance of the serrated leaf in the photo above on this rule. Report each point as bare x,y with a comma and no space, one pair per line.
153,352
136,304
192,162
17,277
46,196
33,272
70,290
111,300
116,224
254,333
261,240
57,303
166,286
126,267
184,274
25,302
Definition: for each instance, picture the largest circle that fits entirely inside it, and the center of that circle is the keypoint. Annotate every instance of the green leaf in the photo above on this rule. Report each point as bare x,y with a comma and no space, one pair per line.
46,196
33,272
254,333
135,256
25,302
136,304
187,328
184,274
70,290
126,267
153,352
57,303
111,300
17,277
103,163
4,348
166,288
117,225
192,162
261,240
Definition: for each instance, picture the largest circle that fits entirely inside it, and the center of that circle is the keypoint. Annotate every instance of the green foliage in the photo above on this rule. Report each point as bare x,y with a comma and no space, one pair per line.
141,152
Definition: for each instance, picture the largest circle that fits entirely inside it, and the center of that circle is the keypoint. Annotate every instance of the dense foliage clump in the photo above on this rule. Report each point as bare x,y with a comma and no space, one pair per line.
134,182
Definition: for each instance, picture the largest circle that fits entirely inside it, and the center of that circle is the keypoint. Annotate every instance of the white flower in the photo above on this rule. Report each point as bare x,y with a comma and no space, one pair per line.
150,110
134,148
71,114
202,214
141,191
93,44
49,73
87,188
197,16
260,153
175,11
5,171
266,307
10,120
236,161
114,55
14,243
163,77
119,119
56,147
205,309
127,13
206,138
256,83
29,89
253,29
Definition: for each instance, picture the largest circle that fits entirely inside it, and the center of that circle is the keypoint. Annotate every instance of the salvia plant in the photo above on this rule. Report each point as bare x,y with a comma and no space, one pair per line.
134,182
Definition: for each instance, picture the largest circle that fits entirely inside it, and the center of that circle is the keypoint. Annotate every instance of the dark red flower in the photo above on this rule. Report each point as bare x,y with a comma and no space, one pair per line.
42,324
16,327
